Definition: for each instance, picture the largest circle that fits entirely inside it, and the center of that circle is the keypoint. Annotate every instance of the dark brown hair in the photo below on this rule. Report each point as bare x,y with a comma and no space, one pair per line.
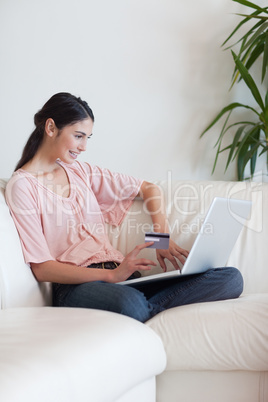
64,109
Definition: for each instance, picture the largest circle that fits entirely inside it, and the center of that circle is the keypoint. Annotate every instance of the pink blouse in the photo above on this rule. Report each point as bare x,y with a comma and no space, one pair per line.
70,229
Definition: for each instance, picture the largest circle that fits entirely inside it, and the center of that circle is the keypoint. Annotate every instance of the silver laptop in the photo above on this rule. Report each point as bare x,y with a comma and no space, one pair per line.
215,241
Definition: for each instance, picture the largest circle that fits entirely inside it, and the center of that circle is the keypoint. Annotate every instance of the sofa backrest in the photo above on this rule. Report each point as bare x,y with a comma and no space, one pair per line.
18,287
187,203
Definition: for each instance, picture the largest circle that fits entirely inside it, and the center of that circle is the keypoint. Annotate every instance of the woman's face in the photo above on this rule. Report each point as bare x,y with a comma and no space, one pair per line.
72,140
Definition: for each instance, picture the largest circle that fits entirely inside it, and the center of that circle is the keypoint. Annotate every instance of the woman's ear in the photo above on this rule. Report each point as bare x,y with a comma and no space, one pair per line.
50,128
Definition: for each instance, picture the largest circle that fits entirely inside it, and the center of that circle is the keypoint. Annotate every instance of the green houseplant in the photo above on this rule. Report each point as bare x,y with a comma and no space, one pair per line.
250,137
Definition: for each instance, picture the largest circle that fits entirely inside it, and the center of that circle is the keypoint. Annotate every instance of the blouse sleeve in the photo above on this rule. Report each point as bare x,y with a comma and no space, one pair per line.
22,199
114,192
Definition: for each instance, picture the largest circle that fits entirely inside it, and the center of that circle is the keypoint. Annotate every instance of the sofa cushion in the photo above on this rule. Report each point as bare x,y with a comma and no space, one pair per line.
225,335
63,354
18,286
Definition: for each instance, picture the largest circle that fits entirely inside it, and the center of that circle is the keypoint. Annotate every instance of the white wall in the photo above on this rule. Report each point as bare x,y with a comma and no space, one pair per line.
152,71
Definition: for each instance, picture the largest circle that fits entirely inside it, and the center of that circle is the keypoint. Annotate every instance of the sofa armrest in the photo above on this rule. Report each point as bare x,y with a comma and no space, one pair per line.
64,354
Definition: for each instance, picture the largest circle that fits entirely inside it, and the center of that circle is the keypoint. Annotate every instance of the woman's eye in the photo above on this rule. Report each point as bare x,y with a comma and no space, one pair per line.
78,136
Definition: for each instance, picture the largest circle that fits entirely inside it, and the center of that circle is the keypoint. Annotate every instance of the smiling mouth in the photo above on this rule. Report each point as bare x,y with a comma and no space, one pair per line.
73,154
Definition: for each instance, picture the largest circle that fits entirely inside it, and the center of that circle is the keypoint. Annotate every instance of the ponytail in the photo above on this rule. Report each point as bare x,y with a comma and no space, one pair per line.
65,109
31,147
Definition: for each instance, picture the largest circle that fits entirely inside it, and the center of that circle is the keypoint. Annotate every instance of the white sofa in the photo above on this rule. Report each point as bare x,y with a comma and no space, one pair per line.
215,351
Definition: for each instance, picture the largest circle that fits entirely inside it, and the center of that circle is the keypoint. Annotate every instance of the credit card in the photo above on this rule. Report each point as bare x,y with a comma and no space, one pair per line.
161,240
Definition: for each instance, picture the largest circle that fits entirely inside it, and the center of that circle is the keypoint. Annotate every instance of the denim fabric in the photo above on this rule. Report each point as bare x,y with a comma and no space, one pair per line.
145,300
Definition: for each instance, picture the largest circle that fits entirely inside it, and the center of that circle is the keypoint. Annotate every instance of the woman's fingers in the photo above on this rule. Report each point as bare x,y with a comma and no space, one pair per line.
181,257
162,263
143,263
174,254
138,248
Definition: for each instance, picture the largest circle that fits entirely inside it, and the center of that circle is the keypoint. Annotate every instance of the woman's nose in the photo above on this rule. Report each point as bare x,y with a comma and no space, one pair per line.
83,145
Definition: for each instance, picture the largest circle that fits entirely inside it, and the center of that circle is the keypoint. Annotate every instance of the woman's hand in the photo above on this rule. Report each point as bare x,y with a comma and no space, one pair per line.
173,253
131,264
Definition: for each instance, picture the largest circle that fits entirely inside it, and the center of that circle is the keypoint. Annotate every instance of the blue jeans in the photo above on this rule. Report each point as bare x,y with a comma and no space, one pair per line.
143,301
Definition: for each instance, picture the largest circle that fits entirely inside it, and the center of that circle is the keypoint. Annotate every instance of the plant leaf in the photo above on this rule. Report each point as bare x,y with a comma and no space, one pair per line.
226,109
256,35
223,131
225,148
216,159
249,4
257,51
240,162
234,144
249,81
251,153
220,140
253,157
248,17
248,139
266,101
265,149
265,57
244,37
238,123
251,54
247,153
253,161
256,16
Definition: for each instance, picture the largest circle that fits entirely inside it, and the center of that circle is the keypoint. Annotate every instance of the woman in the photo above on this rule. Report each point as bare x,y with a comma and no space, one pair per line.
60,207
